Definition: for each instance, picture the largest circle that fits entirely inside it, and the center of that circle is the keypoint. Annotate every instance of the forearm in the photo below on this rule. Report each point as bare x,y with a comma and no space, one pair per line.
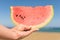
7,33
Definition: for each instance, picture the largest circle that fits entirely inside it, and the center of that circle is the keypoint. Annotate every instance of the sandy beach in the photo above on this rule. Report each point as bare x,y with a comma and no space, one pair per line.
41,36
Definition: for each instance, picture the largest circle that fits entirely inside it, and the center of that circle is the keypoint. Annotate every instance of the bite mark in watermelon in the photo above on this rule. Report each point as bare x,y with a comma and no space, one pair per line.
36,17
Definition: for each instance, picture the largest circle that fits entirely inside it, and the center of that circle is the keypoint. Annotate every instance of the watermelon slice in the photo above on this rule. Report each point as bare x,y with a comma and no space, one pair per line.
35,17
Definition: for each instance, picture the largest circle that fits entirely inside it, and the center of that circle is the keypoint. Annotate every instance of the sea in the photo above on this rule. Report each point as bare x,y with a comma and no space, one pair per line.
48,29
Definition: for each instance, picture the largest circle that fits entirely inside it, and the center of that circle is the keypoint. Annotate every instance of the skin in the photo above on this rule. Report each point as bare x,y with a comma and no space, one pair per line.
16,32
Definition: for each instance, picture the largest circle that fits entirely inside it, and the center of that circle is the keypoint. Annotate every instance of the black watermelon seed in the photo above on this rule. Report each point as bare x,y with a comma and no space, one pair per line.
16,15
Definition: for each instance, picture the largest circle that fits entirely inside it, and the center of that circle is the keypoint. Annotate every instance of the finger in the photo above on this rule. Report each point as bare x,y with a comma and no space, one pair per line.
27,28
34,28
26,33
19,27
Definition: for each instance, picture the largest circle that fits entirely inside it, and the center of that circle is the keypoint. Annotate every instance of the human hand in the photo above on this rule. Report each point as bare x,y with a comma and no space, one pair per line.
18,31
23,31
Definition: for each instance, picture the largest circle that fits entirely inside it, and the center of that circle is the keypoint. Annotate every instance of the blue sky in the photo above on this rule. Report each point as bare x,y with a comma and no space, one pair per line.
5,10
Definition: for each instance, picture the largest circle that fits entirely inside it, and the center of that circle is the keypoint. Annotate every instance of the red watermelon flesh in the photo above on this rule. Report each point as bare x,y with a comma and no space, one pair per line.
31,16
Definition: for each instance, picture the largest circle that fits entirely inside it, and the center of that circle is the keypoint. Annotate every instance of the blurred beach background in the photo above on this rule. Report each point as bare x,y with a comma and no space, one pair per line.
49,32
